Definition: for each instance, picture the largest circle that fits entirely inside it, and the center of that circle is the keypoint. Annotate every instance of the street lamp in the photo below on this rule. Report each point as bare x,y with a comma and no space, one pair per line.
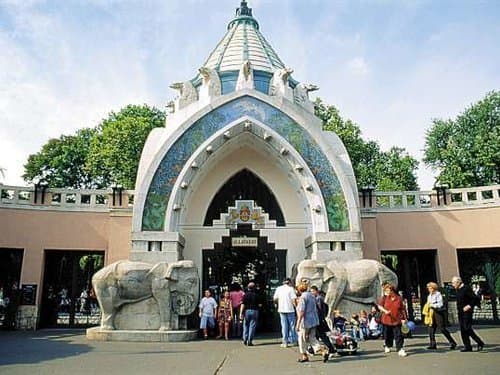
40,187
367,191
441,189
117,192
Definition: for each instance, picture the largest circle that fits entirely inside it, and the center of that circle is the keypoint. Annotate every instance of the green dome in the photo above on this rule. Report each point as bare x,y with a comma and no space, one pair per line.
243,41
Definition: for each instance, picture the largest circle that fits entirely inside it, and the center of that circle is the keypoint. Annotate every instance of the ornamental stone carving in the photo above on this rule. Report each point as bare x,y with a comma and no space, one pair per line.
349,286
301,95
164,292
211,85
187,94
245,77
279,83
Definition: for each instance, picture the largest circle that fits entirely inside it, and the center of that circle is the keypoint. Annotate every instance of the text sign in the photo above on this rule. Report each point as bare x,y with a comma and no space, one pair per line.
28,294
244,241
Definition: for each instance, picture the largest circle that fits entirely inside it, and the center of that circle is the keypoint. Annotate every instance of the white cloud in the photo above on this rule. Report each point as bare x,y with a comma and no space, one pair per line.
358,66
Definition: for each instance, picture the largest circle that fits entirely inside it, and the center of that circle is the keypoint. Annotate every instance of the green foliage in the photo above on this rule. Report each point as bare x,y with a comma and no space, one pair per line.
61,162
116,149
386,170
466,151
96,158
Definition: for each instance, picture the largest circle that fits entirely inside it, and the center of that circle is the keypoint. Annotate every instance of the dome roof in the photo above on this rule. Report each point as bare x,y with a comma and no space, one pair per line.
243,41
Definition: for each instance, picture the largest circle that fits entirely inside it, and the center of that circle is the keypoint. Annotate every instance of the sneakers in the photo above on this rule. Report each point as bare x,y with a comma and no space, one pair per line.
284,345
387,349
402,353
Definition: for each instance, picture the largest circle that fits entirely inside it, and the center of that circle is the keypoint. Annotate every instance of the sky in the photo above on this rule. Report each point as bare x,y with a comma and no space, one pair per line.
391,66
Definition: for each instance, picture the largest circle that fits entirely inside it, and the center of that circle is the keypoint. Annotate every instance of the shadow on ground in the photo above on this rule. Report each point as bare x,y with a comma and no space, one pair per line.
34,347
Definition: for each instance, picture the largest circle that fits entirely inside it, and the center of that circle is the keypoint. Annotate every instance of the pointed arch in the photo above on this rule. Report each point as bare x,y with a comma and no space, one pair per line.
248,186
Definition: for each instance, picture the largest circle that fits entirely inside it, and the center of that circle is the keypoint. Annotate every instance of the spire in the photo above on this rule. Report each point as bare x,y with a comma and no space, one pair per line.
243,14
243,10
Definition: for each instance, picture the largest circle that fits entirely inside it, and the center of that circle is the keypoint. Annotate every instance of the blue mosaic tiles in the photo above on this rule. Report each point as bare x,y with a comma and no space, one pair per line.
174,160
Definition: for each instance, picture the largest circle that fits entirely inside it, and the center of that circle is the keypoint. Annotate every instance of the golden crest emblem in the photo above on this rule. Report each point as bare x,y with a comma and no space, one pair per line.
245,213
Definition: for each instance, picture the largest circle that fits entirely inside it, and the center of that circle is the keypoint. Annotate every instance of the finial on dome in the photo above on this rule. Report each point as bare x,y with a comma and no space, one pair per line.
243,10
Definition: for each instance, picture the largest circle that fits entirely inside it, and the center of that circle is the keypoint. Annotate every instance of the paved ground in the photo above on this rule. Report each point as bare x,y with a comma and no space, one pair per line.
68,352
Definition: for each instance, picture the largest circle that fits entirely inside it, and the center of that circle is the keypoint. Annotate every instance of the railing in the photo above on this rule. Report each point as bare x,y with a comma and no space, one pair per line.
378,201
66,199
433,199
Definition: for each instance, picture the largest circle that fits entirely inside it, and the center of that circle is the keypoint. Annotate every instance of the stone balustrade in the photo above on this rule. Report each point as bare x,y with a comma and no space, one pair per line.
370,201
66,199
381,201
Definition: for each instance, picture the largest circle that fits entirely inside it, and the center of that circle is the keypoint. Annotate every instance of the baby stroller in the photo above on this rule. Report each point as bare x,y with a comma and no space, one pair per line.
345,342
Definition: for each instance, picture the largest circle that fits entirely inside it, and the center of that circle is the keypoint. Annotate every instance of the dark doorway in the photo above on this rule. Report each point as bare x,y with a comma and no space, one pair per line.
11,261
263,264
68,299
414,270
480,268
244,185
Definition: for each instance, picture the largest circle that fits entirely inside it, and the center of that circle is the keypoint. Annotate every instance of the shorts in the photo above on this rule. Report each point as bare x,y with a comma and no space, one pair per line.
207,320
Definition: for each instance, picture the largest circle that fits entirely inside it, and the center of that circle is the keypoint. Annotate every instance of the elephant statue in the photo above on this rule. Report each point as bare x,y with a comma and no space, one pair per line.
348,286
174,287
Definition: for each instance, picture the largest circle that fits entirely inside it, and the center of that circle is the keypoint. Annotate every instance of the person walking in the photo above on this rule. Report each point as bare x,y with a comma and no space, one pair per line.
236,295
286,298
393,316
322,329
208,313
438,317
307,321
249,313
466,300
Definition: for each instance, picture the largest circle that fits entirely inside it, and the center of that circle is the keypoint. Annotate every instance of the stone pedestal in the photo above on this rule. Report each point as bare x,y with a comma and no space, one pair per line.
98,334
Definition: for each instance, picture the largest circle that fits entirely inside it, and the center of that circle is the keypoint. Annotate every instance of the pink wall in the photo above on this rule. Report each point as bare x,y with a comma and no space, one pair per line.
444,230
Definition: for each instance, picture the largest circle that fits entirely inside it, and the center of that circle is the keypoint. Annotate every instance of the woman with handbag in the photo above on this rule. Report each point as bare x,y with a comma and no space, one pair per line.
435,302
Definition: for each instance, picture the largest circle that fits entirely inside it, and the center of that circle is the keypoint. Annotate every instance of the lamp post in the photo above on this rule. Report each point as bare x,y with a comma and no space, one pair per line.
367,191
441,189
40,187
117,192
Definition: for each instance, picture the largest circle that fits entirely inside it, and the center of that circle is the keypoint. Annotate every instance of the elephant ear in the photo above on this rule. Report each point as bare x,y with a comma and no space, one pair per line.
183,303
185,286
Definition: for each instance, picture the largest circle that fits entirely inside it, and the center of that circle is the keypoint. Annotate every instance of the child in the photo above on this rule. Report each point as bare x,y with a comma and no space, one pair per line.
339,321
208,313
224,315
363,324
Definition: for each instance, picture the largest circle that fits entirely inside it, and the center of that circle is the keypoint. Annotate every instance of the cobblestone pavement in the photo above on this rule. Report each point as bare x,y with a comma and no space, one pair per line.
69,352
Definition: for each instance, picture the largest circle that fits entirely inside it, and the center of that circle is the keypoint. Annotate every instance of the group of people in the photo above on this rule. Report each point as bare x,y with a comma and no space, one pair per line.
435,315
304,317
237,311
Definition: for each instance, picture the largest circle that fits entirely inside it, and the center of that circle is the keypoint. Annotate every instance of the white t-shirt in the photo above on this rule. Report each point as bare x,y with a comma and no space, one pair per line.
285,295
207,306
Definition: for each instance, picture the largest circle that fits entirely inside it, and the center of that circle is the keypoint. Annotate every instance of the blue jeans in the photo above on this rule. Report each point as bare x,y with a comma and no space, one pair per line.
288,333
249,325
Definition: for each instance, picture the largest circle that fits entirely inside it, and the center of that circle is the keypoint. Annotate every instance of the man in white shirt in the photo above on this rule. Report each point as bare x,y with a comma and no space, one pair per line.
286,298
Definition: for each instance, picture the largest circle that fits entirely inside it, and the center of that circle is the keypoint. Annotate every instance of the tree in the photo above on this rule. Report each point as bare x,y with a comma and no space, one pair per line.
387,170
466,151
116,148
98,157
61,162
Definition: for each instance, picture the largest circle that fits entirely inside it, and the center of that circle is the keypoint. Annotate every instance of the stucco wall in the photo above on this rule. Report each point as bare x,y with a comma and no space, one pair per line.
444,230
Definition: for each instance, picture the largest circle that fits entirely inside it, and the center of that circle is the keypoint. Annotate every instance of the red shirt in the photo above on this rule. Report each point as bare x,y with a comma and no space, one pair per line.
396,307
236,298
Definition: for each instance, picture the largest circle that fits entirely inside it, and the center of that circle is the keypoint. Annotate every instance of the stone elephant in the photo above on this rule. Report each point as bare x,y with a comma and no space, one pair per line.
174,287
349,286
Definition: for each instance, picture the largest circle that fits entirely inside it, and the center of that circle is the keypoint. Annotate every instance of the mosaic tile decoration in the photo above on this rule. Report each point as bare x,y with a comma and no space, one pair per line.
174,160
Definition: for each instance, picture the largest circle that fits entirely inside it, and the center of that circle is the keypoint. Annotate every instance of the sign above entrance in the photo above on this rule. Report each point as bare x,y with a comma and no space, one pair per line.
244,241
245,212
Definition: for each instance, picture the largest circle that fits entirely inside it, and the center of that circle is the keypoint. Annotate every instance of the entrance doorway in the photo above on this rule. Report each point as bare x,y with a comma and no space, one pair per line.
11,261
67,299
414,270
245,256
